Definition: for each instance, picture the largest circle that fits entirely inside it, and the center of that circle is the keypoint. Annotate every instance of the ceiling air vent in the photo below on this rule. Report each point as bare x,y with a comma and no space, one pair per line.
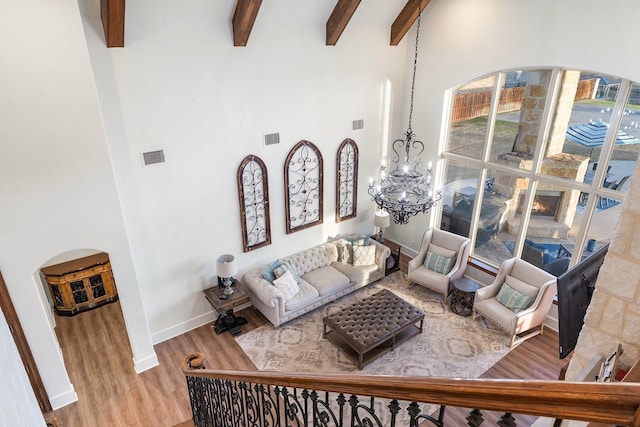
271,139
153,157
358,124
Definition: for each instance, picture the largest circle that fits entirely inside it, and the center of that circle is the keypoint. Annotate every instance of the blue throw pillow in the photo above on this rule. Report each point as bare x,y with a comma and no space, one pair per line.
268,273
359,240
512,299
438,263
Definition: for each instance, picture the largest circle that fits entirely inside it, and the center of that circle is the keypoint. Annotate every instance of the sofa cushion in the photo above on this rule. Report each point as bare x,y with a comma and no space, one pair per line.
269,272
498,313
512,299
360,274
430,278
327,280
363,255
306,295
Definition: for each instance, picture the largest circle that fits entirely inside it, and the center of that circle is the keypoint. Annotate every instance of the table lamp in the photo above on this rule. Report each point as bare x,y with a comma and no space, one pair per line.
226,268
381,220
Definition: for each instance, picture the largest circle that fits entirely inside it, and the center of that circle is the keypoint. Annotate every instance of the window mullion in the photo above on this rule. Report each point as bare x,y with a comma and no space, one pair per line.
612,132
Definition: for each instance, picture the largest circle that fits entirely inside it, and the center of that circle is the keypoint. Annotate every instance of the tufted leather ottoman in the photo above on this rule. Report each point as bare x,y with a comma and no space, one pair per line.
371,327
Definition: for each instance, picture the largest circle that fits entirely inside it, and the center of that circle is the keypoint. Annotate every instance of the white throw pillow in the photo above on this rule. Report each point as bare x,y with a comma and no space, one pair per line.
287,285
364,255
448,253
522,287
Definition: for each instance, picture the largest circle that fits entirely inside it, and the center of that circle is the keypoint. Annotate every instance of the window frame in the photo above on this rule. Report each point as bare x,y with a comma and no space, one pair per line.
534,175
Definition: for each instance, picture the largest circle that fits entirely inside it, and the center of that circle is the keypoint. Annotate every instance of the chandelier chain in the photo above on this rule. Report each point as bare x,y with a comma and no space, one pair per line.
415,64
405,191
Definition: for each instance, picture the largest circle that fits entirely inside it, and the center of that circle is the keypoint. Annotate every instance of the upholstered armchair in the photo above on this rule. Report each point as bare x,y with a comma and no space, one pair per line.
518,300
442,259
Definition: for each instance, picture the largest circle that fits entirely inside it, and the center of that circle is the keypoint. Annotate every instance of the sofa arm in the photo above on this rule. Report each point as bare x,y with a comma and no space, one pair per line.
263,290
382,253
487,292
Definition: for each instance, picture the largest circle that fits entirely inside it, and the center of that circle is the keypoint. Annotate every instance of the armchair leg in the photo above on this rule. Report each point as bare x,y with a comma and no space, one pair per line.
408,281
515,339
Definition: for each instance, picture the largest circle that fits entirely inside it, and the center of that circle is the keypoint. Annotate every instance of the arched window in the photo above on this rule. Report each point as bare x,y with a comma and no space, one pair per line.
537,161
253,192
303,187
347,180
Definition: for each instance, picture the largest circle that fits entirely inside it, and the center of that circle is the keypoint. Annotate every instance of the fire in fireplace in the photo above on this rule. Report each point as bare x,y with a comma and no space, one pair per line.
545,203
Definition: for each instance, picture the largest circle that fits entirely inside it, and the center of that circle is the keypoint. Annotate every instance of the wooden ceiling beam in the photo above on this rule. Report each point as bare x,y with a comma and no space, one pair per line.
243,20
339,19
112,16
405,19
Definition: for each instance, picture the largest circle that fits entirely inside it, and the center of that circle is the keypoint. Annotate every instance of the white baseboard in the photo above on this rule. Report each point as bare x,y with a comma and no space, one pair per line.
63,399
196,322
181,328
142,365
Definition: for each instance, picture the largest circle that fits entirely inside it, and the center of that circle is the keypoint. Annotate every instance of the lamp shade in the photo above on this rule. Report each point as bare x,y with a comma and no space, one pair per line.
226,265
382,219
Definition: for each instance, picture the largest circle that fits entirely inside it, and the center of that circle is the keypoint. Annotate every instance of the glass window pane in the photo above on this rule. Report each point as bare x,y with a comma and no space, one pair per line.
468,125
495,224
520,113
579,124
460,181
625,152
556,219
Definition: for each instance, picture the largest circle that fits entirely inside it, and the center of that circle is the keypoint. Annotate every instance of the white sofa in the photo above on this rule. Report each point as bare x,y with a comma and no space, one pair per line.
324,279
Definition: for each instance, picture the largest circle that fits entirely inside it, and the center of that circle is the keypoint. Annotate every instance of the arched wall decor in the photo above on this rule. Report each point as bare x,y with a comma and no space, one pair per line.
347,180
253,195
303,187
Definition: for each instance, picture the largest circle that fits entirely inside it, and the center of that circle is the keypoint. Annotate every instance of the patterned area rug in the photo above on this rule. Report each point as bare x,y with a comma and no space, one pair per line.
449,345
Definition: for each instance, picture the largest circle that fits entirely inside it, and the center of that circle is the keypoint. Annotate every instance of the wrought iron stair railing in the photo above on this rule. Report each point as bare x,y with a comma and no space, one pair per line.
253,398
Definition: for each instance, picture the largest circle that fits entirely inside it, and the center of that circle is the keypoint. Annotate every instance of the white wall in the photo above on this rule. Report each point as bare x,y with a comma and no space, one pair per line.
56,183
464,39
179,85
18,405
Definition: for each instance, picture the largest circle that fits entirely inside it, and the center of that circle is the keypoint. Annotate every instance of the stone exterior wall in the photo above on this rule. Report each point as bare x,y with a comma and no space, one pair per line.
614,313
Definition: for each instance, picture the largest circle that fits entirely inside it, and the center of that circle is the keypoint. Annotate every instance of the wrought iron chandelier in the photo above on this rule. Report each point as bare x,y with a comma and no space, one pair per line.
405,191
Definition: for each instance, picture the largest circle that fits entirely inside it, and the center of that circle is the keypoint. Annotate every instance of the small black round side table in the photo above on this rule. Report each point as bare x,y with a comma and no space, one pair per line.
462,295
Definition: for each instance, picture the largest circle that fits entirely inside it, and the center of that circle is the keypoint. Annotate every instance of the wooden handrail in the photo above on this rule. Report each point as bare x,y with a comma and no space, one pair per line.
614,403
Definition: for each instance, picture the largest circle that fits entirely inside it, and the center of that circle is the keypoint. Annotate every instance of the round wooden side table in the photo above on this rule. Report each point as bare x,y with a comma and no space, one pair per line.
462,296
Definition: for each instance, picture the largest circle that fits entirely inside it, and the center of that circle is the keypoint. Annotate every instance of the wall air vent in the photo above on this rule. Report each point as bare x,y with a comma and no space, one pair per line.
271,139
153,157
358,124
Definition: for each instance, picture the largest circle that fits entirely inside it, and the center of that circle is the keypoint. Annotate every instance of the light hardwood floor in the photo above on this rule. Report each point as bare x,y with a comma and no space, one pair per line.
110,393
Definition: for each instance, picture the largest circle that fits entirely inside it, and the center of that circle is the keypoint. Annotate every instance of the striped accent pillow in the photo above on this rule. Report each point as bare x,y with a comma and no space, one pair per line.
512,299
438,263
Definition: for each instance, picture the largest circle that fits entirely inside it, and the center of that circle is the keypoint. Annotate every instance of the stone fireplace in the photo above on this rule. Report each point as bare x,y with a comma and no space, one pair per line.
554,207
545,203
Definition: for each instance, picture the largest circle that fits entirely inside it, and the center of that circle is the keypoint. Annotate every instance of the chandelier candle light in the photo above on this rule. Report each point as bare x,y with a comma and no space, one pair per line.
405,191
